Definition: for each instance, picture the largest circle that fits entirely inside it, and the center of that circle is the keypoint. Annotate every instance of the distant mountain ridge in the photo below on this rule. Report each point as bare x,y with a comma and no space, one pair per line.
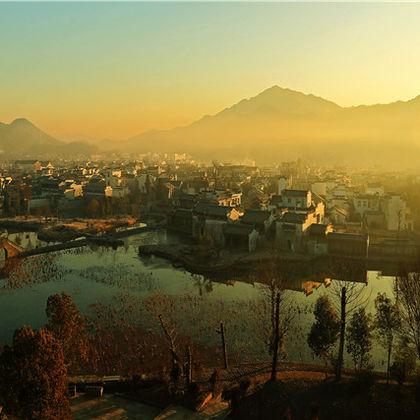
278,123
283,123
22,138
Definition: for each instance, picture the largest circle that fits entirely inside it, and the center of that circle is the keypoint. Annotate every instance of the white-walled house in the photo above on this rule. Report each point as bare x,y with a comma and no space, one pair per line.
365,202
290,229
210,219
297,198
240,236
283,183
112,179
316,238
394,209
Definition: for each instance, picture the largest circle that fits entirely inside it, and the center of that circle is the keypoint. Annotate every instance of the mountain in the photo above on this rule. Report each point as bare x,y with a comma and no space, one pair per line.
22,138
275,125
281,123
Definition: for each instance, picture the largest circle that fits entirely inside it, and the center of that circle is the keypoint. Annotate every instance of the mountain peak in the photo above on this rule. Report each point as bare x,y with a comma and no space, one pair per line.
21,122
277,90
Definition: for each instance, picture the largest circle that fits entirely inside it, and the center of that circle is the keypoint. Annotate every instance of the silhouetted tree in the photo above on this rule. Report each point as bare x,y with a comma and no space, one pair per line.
407,292
325,330
359,338
404,360
348,296
33,383
274,312
68,326
386,324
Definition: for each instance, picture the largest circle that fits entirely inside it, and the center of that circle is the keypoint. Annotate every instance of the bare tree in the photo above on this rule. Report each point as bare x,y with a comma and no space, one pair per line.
387,324
348,295
274,310
407,292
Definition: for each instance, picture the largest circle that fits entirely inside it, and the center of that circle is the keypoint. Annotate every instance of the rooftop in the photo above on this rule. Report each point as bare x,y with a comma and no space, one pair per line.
255,216
291,217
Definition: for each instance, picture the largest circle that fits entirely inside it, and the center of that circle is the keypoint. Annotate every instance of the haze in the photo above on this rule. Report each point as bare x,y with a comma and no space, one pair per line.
117,70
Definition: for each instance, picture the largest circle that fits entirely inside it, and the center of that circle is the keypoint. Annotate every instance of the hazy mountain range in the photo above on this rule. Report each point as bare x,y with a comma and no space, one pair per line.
276,124
21,138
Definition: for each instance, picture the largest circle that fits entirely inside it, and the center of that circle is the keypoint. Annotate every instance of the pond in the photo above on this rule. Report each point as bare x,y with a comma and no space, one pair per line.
96,274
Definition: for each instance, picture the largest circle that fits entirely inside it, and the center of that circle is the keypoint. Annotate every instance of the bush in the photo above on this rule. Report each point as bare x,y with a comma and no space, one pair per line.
236,394
364,380
399,371
416,387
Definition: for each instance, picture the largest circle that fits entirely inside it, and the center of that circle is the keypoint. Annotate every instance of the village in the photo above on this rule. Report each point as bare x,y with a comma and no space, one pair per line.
230,210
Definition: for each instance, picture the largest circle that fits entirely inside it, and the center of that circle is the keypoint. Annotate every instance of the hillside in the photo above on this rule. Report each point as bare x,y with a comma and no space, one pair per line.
22,138
276,124
285,123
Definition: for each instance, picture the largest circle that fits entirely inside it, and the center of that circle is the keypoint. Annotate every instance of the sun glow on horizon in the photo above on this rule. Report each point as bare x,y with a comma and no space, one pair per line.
116,70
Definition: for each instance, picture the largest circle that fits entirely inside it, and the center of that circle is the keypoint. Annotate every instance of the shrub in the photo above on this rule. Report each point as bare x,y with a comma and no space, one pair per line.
363,382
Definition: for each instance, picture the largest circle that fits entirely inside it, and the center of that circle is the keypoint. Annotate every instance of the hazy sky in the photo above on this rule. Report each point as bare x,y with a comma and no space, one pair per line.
112,70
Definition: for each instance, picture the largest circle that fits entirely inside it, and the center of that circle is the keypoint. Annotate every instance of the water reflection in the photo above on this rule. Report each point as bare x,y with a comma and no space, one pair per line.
96,274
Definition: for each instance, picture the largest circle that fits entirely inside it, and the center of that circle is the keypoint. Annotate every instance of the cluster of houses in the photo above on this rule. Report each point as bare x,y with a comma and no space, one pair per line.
294,221
238,207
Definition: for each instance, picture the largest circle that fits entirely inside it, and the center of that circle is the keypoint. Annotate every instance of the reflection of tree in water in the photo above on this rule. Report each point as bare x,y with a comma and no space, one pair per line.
131,325
203,284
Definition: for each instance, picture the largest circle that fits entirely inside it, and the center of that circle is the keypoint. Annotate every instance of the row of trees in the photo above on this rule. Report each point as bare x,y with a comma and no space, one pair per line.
395,325
34,367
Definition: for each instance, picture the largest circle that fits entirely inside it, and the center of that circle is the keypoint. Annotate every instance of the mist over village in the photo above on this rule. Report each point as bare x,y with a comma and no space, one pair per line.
209,210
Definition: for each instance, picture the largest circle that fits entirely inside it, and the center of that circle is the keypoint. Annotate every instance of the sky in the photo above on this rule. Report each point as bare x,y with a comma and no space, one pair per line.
114,70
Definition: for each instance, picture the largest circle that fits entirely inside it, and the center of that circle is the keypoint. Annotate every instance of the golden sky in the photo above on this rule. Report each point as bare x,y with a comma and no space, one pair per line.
109,70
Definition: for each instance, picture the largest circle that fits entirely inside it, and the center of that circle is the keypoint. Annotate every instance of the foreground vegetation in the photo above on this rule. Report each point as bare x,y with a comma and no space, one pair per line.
165,346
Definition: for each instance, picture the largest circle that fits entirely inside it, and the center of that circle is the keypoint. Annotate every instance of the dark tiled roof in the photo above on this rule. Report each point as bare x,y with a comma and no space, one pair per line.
188,197
295,193
317,228
276,199
211,209
184,213
255,216
359,196
95,187
291,217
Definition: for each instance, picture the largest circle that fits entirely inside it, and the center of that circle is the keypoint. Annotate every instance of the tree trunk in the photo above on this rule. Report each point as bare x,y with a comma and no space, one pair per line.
189,365
388,363
342,334
276,339
222,334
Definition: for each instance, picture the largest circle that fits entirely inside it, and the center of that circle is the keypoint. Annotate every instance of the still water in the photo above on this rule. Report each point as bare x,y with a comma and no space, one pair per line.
96,274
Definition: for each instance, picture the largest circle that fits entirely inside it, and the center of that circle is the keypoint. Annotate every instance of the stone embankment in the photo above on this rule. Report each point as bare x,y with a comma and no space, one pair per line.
110,239
21,225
